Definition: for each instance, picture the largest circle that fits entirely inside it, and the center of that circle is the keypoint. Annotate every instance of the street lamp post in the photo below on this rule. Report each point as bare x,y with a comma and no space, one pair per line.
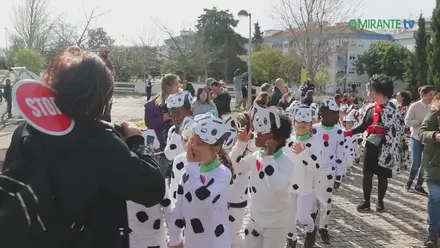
244,13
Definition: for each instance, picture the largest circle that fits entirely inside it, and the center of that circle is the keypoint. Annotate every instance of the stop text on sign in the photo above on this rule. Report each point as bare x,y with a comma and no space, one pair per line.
43,106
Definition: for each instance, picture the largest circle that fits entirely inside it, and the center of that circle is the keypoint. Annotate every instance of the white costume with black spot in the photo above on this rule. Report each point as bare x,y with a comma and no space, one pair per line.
202,207
147,224
350,146
178,169
174,144
305,165
332,167
238,202
270,209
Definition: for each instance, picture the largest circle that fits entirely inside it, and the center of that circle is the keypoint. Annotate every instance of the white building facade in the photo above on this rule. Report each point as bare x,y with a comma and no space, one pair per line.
347,45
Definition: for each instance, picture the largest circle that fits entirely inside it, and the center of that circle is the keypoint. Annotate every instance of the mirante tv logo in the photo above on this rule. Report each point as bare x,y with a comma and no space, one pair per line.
381,24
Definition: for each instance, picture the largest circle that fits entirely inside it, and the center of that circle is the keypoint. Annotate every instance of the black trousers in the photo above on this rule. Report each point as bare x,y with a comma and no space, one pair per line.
9,107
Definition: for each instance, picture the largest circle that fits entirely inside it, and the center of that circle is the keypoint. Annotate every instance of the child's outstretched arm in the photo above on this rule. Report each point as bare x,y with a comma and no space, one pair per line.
340,161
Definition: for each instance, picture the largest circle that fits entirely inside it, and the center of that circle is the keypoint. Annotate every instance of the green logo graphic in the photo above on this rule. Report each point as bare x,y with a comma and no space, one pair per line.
381,24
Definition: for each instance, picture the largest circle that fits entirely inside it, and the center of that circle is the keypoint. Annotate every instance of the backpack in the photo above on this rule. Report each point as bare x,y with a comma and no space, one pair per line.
27,209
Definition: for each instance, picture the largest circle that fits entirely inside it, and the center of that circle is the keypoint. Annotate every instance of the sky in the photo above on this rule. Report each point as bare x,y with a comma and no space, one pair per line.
129,20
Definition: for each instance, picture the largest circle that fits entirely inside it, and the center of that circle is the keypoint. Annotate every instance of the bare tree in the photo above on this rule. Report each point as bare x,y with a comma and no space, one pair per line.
183,47
89,18
204,54
310,21
32,24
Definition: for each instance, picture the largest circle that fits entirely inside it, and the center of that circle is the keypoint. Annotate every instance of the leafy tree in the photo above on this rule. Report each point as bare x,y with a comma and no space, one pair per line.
410,75
97,37
218,33
291,66
434,55
383,57
266,64
29,58
421,53
257,40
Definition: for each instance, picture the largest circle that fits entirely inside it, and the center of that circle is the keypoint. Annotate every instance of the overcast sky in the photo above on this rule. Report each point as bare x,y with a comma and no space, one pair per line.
130,19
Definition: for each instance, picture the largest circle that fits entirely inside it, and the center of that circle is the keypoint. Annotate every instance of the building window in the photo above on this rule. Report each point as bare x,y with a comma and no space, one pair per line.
339,57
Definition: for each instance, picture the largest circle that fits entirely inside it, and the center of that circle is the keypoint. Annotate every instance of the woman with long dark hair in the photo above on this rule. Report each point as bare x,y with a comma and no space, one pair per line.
383,126
203,104
92,170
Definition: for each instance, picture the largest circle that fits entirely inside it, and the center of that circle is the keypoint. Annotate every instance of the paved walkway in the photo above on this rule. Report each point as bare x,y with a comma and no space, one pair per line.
402,225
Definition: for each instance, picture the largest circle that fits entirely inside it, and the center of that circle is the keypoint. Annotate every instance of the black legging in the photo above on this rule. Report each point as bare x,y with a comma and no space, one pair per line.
367,185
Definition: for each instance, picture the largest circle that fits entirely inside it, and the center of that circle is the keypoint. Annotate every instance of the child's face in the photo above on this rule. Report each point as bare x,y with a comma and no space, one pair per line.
330,117
203,152
178,114
348,124
261,138
302,128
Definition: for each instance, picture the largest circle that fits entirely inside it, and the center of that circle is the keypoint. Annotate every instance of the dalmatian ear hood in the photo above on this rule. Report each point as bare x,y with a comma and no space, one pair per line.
315,110
233,122
331,104
293,106
185,127
344,107
178,100
263,117
212,129
303,113
350,117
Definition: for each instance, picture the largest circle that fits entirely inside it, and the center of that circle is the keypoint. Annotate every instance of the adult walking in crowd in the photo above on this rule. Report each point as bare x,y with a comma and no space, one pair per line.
188,85
278,92
430,136
403,99
202,104
93,171
222,99
414,118
104,53
156,112
7,93
308,85
238,83
383,127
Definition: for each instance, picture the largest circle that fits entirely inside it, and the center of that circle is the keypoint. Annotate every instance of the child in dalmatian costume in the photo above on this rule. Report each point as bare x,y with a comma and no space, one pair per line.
304,153
331,162
146,224
180,162
350,143
179,106
202,195
238,191
270,174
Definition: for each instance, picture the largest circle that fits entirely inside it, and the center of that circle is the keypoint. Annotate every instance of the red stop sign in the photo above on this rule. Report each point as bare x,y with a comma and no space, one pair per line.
36,102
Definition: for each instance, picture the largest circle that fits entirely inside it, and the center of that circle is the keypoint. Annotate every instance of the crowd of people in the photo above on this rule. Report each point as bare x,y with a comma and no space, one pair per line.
279,160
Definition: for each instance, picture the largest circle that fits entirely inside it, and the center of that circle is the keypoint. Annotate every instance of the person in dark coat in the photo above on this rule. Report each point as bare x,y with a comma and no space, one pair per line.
95,171
8,97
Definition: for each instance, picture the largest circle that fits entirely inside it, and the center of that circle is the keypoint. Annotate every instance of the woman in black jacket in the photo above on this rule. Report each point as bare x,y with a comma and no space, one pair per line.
93,170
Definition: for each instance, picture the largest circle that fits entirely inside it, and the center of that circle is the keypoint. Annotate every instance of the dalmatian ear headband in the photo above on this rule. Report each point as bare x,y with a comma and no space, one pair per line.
261,118
293,106
233,122
303,113
212,129
350,117
177,100
331,104
185,127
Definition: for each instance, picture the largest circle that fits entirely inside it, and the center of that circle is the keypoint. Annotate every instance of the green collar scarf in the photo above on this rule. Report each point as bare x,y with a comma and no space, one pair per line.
276,155
210,167
303,137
